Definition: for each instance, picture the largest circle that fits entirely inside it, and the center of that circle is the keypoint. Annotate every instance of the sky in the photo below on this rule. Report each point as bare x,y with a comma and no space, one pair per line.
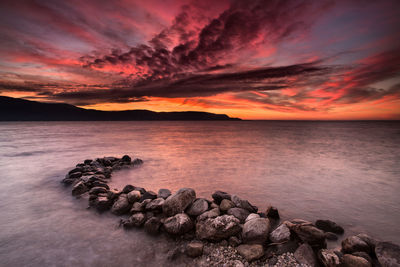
259,59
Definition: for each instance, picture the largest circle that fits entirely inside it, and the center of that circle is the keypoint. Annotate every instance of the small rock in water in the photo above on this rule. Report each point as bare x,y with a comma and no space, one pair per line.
354,261
272,213
194,249
329,226
126,159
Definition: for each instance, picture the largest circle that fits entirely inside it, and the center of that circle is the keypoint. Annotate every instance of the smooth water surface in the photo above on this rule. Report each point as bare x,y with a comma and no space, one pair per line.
348,172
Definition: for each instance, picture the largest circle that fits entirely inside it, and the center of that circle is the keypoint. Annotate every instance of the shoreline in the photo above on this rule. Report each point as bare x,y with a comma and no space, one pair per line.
245,235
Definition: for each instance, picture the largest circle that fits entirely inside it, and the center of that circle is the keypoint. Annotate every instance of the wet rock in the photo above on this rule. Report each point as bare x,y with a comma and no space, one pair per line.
75,175
281,248
280,234
121,205
97,190
152,225
388,254
363,255
369,240
251,252
79,189
218,196
140,189
136,162
329,258
100,184
353,244
134,196
87,161
272,213
256,231
178,224
194,249
138,206
126,159
305,255
252,216
128,188
148,195
136,220
239,213
331,236
310,234
198,207
155,204
209,214
244,204
349,260
163,193
225,205
234,241
214,205
179,201
219,228
77,169
68,181
103,203
329,226
113,194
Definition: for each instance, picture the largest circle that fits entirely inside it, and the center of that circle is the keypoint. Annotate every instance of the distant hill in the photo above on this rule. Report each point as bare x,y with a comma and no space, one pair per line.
16,109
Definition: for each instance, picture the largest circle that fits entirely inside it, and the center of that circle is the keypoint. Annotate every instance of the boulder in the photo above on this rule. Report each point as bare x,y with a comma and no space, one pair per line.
349,260
134,196
148,195
102,203
121,205
178,224
239,213
194,249
251,252
329,258
256,231
217,229
305,255
79,188
272,213
280,234
353,244
252,216
218,196
225,205
152,225
244,204
329,226
388,254
163,193
198,207
128,188
369,240
136,220
155,204
179,201
363,255
310,234
281,248
209,214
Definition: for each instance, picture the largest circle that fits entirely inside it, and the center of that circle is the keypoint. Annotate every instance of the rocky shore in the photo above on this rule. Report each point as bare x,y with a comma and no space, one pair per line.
226,230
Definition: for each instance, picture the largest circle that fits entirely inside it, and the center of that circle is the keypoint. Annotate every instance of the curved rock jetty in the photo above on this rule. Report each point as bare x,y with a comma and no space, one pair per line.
224,231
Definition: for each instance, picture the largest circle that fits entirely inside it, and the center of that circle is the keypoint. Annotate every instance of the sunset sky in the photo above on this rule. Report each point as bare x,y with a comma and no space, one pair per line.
249,59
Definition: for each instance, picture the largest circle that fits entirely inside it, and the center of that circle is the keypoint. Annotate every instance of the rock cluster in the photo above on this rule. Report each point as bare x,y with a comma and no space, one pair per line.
254,237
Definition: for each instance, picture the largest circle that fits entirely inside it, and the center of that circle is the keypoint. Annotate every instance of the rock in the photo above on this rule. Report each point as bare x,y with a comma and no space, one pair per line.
68,181
128,188
331,236
79,189
329,258
369,240
281,248
134,196
219,228
75,175
256,231
121,205
329,226
140,189
252,216
113,194
198,207
214,205
155,204
136,162
100,184
87,161
349,260
239,213
388,254
310,234
363,255
194,249
178,224
77,169
305,255
218,196
179,201
103,203
234,241
209,214
353,244
272,213
139,206
136,220
126,159
225,205
244,204
163,193
251,252
97,190
280,234
152,225
148,195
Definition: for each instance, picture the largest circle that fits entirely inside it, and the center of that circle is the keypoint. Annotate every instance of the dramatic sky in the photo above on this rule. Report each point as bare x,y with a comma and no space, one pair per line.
272,59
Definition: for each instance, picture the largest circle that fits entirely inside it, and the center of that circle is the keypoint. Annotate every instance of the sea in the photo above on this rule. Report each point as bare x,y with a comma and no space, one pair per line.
347,172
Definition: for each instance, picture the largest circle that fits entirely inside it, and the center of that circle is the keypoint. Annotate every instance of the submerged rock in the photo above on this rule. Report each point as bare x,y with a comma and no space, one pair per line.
219,228
256,231
251,252
178,202
178,224
329,226
198,207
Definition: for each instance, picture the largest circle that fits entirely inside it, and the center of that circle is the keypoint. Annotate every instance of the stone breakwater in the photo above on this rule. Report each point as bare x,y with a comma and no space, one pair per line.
224,231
